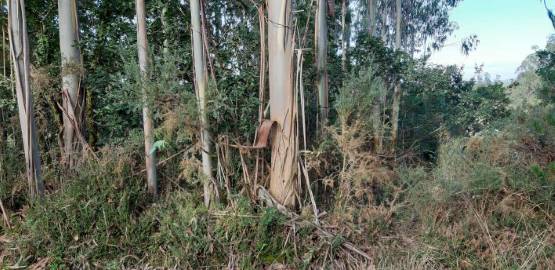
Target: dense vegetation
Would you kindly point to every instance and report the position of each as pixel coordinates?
(469, 183)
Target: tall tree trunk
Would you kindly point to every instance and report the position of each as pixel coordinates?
(165, 28)
(345, 35)
(71, 79)
(142, 46)
(385, 16)
(201, 80)
(322, 59)
(4, 51)
(397, 92)
(19, 44)
(371, 17)
(377, 104)
(283, 110)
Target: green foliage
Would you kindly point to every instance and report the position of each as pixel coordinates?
(479, 108)
(92, 217)
(504, 192)
(356, 98)
(439, 101)
(546, 71)
(102, 217)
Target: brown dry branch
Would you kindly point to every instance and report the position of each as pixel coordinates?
(297, 220)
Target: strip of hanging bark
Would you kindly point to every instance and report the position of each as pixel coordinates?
(265, 196)
(309, 188)
(299, 87)
(76, 126)
(222, 153)
(263, 134)
(205, 41)
(5, 215)
(331, 8)
(262, 82)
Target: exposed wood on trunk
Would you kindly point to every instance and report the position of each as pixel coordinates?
(283, 178)
(397, 92)
(201, 83)
(322, 60)
(19, 44)
(148, 127)
(71, 80)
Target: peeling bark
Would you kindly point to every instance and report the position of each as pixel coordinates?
(19, 44)
(283, 110)
(71, 79)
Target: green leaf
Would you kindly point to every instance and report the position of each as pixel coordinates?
(157, 146)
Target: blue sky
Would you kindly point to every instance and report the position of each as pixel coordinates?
(507, 30)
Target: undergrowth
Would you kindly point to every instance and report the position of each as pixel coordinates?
(487, 203)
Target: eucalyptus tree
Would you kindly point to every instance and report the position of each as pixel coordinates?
(19, 44)
(321, 34)
(379, 102)
(371, 10)
(201, 83)
(397, 91)
(345, 34)
(142, 46)
(72, 97)
(283, 184)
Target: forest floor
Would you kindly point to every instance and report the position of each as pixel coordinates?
(486, 203)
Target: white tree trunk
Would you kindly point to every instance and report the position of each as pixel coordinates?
(345, 35)
(283, 110)
(165, 28)
(4, 51)
(19, 44)
(397, 92)
(371, 17)
(377, 121)
(71, 78)
(147, 116)
(322, 58)
(398, 17)
(385, 27)
(201, 83)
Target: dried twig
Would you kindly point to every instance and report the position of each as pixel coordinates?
(5, 215)
(265, 196)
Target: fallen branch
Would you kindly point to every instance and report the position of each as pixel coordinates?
(265, 196)
(5, 215)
